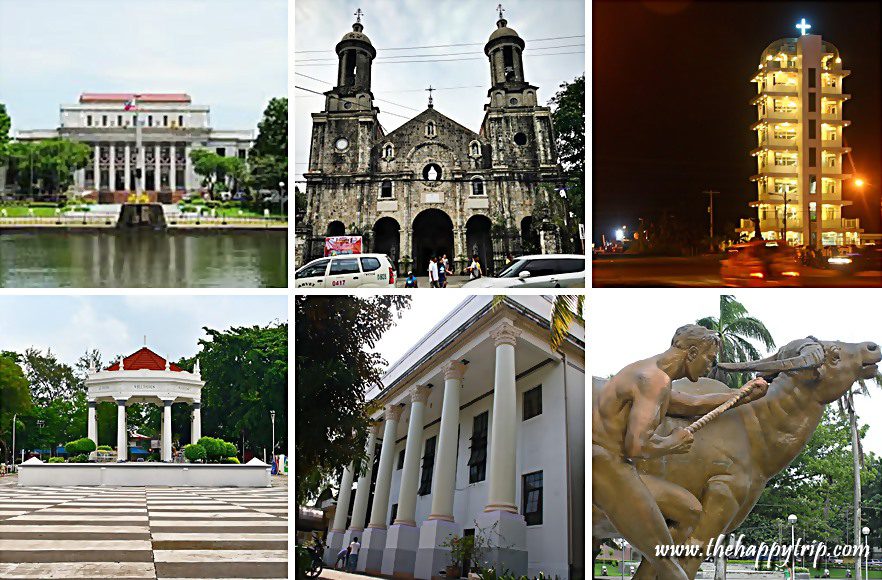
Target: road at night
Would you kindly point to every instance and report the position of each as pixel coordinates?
(696, 272)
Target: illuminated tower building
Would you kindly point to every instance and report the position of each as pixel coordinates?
(800, 147)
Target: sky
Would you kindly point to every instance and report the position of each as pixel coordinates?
(627, 325)
(671, 104)
(228, 54)
(71, 325)
(462, 81)
(424, 313)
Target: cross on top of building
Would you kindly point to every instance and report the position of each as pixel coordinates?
(803, 26)
(500, 9)
(358, 15)
(429, 90)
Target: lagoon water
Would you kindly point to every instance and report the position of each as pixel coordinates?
(143, 258)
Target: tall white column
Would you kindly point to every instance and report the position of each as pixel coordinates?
(157, 180)
(431, 555)
(188, 168)
(370, 557)
(172, 177)
(503, 432)
(196, 422)
(363, 489)
(92, 425)
(410, 474)
(96, 167)
(127, 171)
(343, 496)
(111, 174)
(403, 536)
(166, 431)
(122, 436)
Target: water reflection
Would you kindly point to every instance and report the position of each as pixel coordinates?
(150, 259)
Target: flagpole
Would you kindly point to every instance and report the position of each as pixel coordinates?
(139, 152)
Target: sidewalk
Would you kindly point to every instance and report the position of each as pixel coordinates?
(423, 281)
(340, 575)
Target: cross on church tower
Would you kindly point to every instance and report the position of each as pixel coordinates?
(500, 9)
(803, 26)
(429, 90)
(358, 14)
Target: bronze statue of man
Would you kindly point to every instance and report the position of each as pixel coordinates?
(626, 412)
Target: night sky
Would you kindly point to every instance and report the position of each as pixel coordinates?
(671, 112)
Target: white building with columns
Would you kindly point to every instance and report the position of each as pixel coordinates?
(171, 126)
(482, 428)
(145, 377)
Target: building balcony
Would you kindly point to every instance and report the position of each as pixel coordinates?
(775, 91)
(831, 94)
(766, 148)
(775, 171)
(834, 147)
(773, 119)
(834, 121)
(851, 225)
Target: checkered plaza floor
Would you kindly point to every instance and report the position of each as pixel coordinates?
(135, 533)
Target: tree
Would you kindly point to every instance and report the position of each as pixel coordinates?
(737, 329)
(15, 396)
(5, 126)
(207, 164)
(269, 157)
(51, 163)
(335, 366)
(568, 116)
(50, 379)
(245, 370)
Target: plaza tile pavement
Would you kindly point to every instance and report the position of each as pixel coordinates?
(137, 533)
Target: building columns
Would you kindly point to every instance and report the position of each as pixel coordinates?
(430, 556)
(111, 173)
(172, 168)
(167, 430)
(399, 557)
(122, 435)
(188, 167)
(362, 490)
(92, 423)
(96, 167)
(338, 526)
(127, 171)
(370, 557)
(196, 422)
(501, 509)
(157, 168)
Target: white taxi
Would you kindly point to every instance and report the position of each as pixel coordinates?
(347, 271)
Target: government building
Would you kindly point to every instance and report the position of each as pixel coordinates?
(170, 127)
(800, 145)
(480, 431)
(433, 186)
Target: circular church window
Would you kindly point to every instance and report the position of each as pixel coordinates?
(432, 172)
(347, 105)
(513, 101)
(341, 143)
(520, 139)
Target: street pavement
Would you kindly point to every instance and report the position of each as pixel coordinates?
(699, 272)
(138, 533)
(423, 281)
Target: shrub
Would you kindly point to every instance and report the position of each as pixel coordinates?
(81, 458)
(230, 449)
(56, 460)
(194, 452)
(84, 445)
(230, 460)
(105, 448)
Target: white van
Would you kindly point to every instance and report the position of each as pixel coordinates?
(347, 271)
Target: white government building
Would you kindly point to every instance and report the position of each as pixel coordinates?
(171, 126)
(483, 425)
(800, 148)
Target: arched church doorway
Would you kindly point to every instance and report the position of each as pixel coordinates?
(529, 237)
(432, 236)
(387, 239)
(478, 241)
(336, 228)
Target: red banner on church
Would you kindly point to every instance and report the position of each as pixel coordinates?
(336, 245)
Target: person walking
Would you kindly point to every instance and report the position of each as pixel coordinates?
(474, 268)
(442, 273)
(433, 272)
(411, 280)
(354, 547)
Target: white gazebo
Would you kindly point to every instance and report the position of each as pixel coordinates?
(145, 377)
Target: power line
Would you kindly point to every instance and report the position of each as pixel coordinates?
(384, 59)
(452, 45)
(350, 101)
(375, 98)
(440, 60)
(402, 90)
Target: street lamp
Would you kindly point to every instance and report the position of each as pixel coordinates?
(282, 198)
(791, 519)
(866, 532)
(273, 446)
(14, 421)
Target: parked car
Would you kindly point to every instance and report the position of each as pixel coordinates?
(347, 271)
(537, 271)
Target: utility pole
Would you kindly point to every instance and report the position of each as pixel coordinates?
(711, 194)
(14, 421)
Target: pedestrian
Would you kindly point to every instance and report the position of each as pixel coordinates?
(433, 272)
(342, 555)
(474, 268)
(354, 547)
(411, 281)
(442, 273)
(509, 259)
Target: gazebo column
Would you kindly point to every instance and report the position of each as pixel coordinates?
(501, 509)
(122, 437)
(196, 422)
(92, 424)
(166, 430)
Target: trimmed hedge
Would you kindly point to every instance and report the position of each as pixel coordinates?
(56, 460)
(84, 445)
(105, 448)
(216, 450)
(194, 452)
(81, 458)
(230, 460)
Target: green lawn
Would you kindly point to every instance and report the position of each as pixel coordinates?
(22, 211)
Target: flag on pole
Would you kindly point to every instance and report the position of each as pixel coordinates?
(130, 104)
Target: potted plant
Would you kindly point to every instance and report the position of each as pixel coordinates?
(461, 548)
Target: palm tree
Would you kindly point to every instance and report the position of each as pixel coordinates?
(564, 310)
(738, 331)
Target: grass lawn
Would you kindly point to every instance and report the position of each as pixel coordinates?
(22, 211)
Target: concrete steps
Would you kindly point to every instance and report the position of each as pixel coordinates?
(78, 571)
(221, 564)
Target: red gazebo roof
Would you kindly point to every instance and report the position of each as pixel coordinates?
(142, 97)
(144, 359)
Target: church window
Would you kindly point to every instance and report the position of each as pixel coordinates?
(532, 489)
(349, 67)
(103, 120)
(476, 148)
(432, 172)
(119, 121)
(341, 143)
(428, 467)
(388, 151)
(347, 105)
(512, 101)
(478, 449)
(386, 189)
(477, 186)
(88, 120)
(149, 120)
(508, 61)
(520, 139)
(430, 129)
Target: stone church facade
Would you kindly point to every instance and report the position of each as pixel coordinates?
(433, 186)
